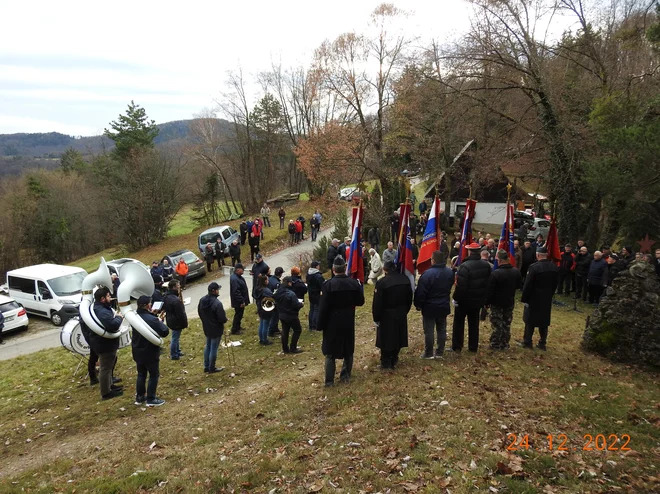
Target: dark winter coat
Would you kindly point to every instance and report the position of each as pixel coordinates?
(596, 274)
(528, 257)
(540, 285)
(332, 253)
(213, 316)
(472, 283)
(582, 263)
(209, 255)
(257, 269)
(219, 250)
(238, 291)
(168, 272)
(299, 287)
(260, 293)
(110, 322)
(287, 302)
(374, 236)
(339, 297)
(314, 283)
(393, 297)
(273, 283)
(567, 262)
(502, 286)
(433, 289)
(342, 250)
(235, 251)
(292, 228)
(175, 312)
(157, 296)
(143, 350)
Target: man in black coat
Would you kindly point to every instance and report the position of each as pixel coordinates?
(259, 267)
(528, 257)
(657, 262)
(288, 307)
(469, 296)
(540, 285)
(393, 297)
(597, 277)
(314, 283)
(566, 270)
(297, 284)
(273, 284)
(582, 263)
(432, 298)
(339, 297)
(342, 248)
(176, 317)
(240, 297)
(243, 229)
(105, 348)
(333, 251)
(147, 356)
(504, 282)
(213, 317)
(219, 251)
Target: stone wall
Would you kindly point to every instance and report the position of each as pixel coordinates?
(626, 324)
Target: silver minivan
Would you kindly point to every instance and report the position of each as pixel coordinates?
(227, 233)
(48, 290)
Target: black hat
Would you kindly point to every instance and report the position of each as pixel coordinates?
(315, 264)
(143, 300)
(213, 286)
(287, 279)
(389, 266)
(238, 266)
(259, 256)
(279, 270)
(542, 250)
(157, 279)
(339, 261)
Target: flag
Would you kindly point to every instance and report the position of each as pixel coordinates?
(404, 259)
(431, 239)
(506, 238)
(466, 233)
(355, 265)
(552, 243)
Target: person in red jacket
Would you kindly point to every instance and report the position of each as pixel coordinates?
(566, 270)
(298, 230)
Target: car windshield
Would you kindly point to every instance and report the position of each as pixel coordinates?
(9, 306)
(188, 257)
(205, 239)
(67, 285)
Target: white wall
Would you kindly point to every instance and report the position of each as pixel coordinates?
(486, 212)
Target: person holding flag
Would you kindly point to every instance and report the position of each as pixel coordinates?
(354, 259)
(506, 238)
(466, 231)
(404, 262)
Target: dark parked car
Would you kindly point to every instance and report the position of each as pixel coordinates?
(196, 266)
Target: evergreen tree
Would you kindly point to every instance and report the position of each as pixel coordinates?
(132, 132)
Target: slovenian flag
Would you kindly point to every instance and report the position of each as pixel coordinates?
(466, 233)
(404, 260)
(355, 265)
(431, 239)
(506, 238)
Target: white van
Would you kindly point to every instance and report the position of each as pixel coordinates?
(48, 290)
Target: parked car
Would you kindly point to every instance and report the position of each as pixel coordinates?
(540, 226)
(48, 290)
(115, 266)
(227, 233)
(346, 194)
(15, 315)
(196, 267)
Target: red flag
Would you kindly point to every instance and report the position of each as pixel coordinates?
(466, 234)
(552, 244)
(355, 267)
(431, 239)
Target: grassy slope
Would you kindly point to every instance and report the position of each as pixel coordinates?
(273, 425)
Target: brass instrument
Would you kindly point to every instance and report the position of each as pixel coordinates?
(268, 304)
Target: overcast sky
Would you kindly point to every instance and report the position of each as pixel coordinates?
(73, 66)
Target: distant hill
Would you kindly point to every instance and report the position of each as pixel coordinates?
(19, 152)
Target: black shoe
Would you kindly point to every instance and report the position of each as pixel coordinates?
(217, 369)
(155, 402)
(237, 332)
(296, 350)
(114, 387)
(116, 380)
(455, 350)
(140, 400)
(524, 345)
(268, 342)
(181, 354)
(113, 394)
(426, 356)
(174, 358)
(541, 347)
(93, 382)
(206, 370)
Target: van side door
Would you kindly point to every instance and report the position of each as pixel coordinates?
(24, 291)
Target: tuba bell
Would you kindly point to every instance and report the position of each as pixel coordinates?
(136, 281)
(99, 277)
(268, 304)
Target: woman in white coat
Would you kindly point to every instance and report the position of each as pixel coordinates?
(376, 266)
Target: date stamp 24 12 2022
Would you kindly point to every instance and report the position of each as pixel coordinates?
(560, 442)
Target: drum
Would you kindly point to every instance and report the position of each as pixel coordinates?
(72, 338)
(125, 332)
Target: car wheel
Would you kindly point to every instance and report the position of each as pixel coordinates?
(56, 319)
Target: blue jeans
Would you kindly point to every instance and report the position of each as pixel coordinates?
(144, 368)
(274, 319)
(313, 316)
(174, 344)
(211, 352)
(264, 324)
